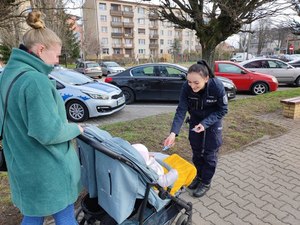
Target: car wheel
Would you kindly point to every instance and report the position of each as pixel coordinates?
(297, 82)
(129, 95)
(259, 88)
(77, 111)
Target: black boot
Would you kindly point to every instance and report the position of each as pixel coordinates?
(195, 183)
(201, 190)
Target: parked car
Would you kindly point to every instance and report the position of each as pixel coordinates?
(284, 72)
(89, 68)
(241, 56)
(155, 81)
(244, 79)
(111, 67)
(85, 97)
(295, 63)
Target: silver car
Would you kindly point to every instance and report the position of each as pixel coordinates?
(284, 72)
(85, 97)
(89, 68)
(111, 67)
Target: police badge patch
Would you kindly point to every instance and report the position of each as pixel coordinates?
(225, 99)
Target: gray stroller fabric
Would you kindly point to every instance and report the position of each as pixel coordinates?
(117, 184)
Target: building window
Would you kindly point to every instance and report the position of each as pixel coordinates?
(127, 8)
(141, 21)
(127, 20)
(115, 7)
(117, 41)
(142, 41)
(170, 42)
(162, 32)
(104, 29)
(103, 18)
(105, 51)
(161, 41)
(141, 10)
(161, 51)
(102, 7)
(141, 31)
(116, 30)
(117, 51)
(116, 19)
(104, 41)
(142, 51)
(128, 41)
(169, 33)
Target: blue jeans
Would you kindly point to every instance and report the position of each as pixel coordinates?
(63, 217)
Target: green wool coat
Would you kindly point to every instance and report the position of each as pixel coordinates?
(43, 167)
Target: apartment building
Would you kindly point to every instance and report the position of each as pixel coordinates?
(122, 29)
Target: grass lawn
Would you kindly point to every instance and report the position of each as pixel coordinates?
(241, 127)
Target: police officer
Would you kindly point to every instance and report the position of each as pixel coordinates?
(204, 97)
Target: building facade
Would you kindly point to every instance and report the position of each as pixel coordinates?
(119, 29)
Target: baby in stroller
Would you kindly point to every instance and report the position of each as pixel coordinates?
(117, 175)
(180, 173)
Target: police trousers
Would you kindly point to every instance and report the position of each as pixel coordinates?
(205, 147)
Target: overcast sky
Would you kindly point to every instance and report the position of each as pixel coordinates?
(233, 40)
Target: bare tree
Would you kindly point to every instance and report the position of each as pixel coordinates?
(216, 20)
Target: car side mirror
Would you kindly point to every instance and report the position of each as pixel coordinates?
(183, 76)
(243, 72)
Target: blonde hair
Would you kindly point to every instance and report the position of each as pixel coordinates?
(39, 34)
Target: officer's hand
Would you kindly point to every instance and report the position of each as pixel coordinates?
(170, 140)
(198, 128)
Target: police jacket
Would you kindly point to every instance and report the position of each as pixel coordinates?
(208, 106)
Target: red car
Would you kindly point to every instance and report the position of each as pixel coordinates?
(246, 80)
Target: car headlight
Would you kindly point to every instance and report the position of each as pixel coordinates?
(227, 85)
(274, 79)
(96, 95)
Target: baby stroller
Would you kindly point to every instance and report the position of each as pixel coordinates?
(121, 188)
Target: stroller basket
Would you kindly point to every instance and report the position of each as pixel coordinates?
(149, 207)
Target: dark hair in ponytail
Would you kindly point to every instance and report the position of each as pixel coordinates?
(202, 68)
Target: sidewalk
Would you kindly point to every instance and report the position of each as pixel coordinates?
(257, 186)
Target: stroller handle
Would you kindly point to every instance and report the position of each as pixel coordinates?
(103, 149)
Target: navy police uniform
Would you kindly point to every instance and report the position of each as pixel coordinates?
(208, 107)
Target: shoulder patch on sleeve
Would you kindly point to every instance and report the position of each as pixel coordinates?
(225, 99)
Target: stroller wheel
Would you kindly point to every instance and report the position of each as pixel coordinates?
(182, 220)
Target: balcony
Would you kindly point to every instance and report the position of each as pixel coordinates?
(117, 35)
(153, 45)
(128, 24)
(153, 36)
(117, 45)
(128, 14)
(128, 35)
(153, 26)
(115, 12)
(153, 16)
(116, 24)
(128, 46)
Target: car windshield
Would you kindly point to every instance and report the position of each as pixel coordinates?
(71, 77)
(112, 64)
(90, 65)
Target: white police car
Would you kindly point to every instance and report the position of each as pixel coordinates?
(85, 97)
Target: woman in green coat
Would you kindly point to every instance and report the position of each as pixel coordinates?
(43, 167)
